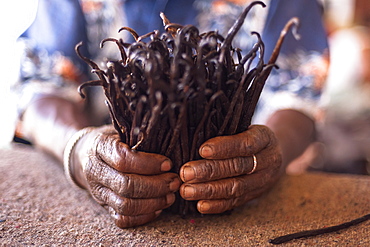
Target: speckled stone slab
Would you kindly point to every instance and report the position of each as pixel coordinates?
(39, 207)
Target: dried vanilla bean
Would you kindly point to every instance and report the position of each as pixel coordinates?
(170, 92)
(316, 232)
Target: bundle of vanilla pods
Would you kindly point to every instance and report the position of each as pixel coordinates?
(172, 91)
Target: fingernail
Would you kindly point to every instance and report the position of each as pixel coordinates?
(166, 166)
(188, 174)
(174, 185)
(188, 192)
(206, 151)
(203, 207)
(170, 198)
(157, 213)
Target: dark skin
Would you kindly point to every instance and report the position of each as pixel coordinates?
(120, 179)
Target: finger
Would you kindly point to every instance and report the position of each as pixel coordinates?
(226, 188)
(222, 205)
(121, 157)
(131, 185)
(123, 221)
(208, 170)
(128, 206)
(249, 142)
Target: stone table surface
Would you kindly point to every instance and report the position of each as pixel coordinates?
(39, 207)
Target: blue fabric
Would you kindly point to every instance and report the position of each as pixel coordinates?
(59, 26)
(311, 29)
(143, 16)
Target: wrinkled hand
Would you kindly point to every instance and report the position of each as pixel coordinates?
(134, 186)
(221, 181)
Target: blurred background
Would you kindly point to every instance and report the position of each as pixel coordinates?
(343, 124)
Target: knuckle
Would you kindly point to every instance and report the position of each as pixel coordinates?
(88, 168)
(247, 144)
(237, 165)
(122, 206)
(214, 192)
(238, 187)
(109, 148)
(120, 149)
(206, 169)
(98, 194)
(233, 167)
(92, 169)
(124, 185)
(100, 143)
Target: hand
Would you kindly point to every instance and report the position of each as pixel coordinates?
(134, 186)
(221, 181)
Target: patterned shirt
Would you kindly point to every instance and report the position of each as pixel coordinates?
(59, 25)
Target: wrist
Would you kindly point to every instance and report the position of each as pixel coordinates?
(294, 131)
(71, 159)
(49, 122)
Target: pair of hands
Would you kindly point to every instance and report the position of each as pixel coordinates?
(137, 186)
